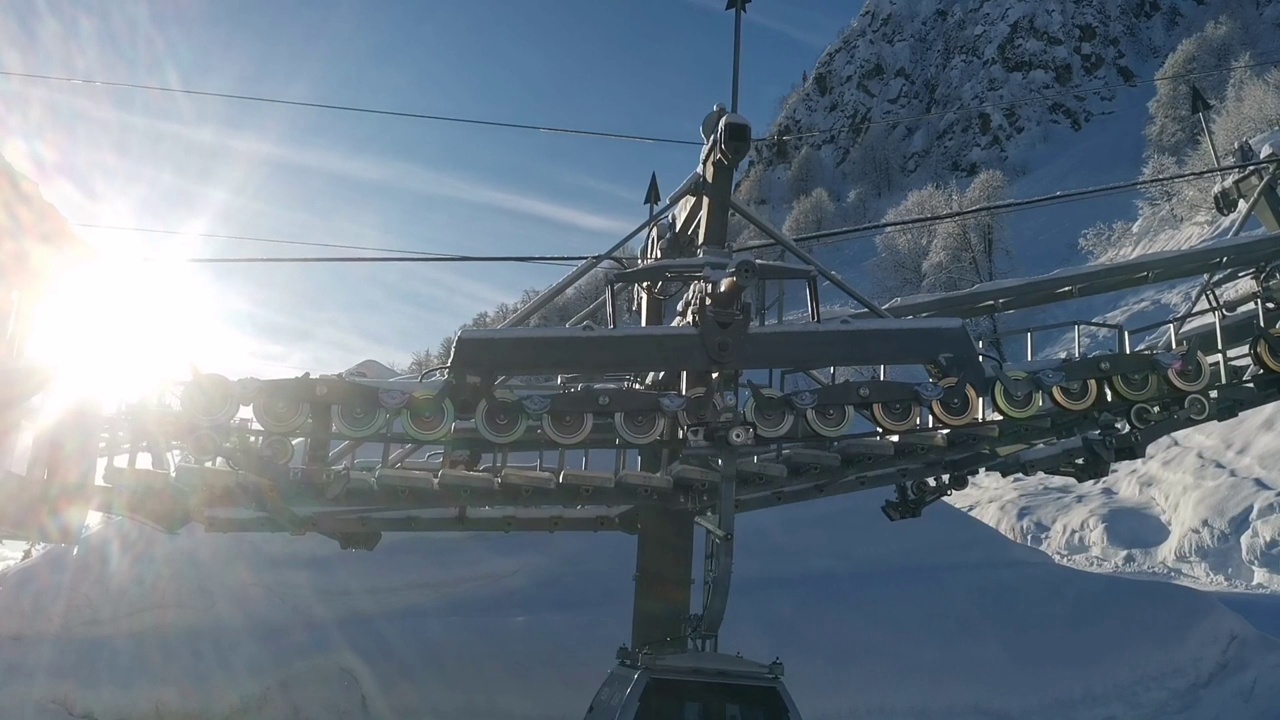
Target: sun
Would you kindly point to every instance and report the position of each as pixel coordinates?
(119, 329)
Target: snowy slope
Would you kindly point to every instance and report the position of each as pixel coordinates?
(940, 618)
(1044, 239)
(1203, 507)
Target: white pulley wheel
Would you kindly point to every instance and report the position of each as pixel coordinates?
(280, 415)
(1262, 353)
(961, 410)
(1135, 387)
(1142, 416)
(772, 423)
(829, 420)
(686, 418)
(639, 427)
(359, 422)
(427, 425)
(567, 428)
(1197, 407)
(1075, 396)
(210, 399)
(500, 420)
(896, 415)
(1192, 375)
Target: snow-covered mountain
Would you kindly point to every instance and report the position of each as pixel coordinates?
(980, 83)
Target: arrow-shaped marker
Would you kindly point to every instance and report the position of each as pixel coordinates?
(652, 196)
(1201, 106)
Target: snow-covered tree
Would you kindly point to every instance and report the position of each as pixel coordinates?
(875, 163)
(813, 212)
(968, 251)
(973, 249)
(947, 255)
(1251, 107)
(1102, 239)
(421, 361)
(808, 172)
(1163, 197)
(756, 186)
(752, 236)
(902, 252)
(854, 210)
(1172, 129)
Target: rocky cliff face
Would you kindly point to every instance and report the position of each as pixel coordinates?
(924, 59)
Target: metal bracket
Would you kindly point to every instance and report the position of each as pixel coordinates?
(706, 523)
(719, 558)
(1016, 386)
(912, 498)
(722, 333)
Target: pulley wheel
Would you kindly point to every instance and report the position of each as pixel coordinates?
(920, 488)
(1017, 407)
(567, 428)
(1263, 356)
(1142, 416)
(639, 427)
(500, 420)
(1075, 396)
(1197, 407)
(687, 417)
(359, 422)
(280, 415)
(896, 415)
(958, 411)
(203, 446)
(210, 399)
(1192, 376)
(771, 423)
(1135, 387)
(427, 425)
(276, 449)
(829, 420)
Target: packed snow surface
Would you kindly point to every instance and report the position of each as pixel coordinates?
(937, 618)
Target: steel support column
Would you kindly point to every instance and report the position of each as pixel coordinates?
(663, 579)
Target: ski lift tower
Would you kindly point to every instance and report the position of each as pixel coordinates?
(681, 422)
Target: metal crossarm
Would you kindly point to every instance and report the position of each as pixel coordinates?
(1089, 280)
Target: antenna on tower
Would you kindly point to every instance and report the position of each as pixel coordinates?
(738, 7)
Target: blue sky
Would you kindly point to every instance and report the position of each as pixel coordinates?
(136, 158)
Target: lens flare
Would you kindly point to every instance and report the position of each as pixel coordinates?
(120, 329)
